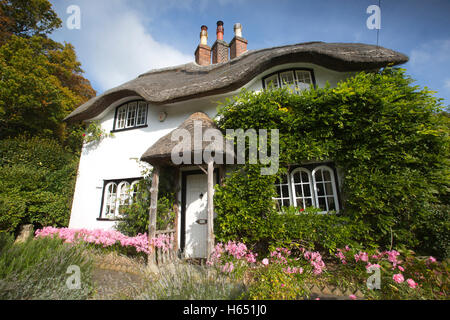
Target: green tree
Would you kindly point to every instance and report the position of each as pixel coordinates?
(32, 98)
(27, 18)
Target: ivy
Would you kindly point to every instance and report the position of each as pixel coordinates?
(389, 137)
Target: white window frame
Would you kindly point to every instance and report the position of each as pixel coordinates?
(293, 184)
(333, 186)
(297, 85)
(110, 199)
(118, 199)
(288, 183)
(312, 186)
(130, 115)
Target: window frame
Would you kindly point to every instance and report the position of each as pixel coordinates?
(293, 70)
(290, 195)
(136, 116)
(293, 183)
(333, 186)
(117, 182)
(311, 169)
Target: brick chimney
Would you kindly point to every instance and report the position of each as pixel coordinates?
(220, 47)
(238, 45)
(203, 52)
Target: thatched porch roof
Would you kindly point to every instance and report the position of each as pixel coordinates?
(160, 152)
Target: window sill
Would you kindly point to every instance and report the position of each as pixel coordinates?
(106, 219)
(131, 128)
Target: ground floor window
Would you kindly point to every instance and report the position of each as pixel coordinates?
(118, 194)
(311, 186)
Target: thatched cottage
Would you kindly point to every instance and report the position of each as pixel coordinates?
(143, 113)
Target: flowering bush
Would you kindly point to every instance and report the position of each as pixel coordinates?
(283, 274)
(402, 274)
(107, 238)
(232, 258)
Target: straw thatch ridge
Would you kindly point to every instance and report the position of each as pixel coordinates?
(191, 80)
(160, 152)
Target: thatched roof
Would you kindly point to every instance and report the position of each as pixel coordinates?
(160, 151)
(191, 80)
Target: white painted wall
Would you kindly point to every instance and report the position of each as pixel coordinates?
(116, 158)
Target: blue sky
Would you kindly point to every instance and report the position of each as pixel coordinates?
(120, 39)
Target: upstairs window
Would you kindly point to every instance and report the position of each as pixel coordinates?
(131, 115)
(296, 79)
(305, 188)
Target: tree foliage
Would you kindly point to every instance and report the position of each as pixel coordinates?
(37, 180)
(26, 18)
(389, 137)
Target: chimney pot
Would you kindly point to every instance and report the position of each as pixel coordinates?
(220, 30)
(238, 30)
(204, 35)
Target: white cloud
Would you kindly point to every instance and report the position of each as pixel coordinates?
(432, 52)
(116, 46)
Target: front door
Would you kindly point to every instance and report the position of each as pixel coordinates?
(196, 214)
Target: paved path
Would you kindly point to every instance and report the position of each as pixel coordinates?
(111, 284)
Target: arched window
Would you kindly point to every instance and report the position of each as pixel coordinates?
(134, 191)
(117, 195)
(124, 196)
(302, 188)
(283, 191)
(325, 189)
(296, 79)
(109, 209)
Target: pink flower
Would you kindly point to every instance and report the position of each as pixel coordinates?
(412, 283)
(282, 285)
(265, 261)
(352, 296)
(431, 259)
(398, 278)
(401, 268)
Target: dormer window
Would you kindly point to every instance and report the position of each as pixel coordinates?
(296, 79)
(131, 115)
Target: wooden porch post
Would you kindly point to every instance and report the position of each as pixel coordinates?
(176, 210)
(210, 208)
(152, 213)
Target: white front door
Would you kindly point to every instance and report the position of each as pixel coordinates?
(196, 216)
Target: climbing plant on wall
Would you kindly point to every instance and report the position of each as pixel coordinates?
(389, 137)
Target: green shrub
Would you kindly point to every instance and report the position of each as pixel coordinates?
(417, 277)
(389, 138)
(37, 269)
(321, 232)
(37, 180)
(245, 210)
